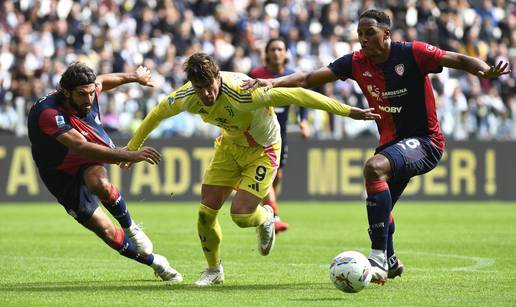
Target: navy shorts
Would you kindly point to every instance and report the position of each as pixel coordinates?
(409, 157)
(71, 192)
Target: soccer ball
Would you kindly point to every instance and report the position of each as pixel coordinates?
(350, 271)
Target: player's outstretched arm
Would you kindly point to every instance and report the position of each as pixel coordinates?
(300, 79)
(142, 75)
(78, 143)
(168, 107)
(474, 66)
(306, 98)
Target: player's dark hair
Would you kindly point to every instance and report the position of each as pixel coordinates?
(272, 40)
(379, 16)
(201, 68)
(77, 74)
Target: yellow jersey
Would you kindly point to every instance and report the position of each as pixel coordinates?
(246, 118)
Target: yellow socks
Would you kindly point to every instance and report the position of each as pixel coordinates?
(210, 235)
(254, 219)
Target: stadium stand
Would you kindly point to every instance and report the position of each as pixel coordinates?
(38, 39)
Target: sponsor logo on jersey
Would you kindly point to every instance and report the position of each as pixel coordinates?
(367, 74)
(394, 93)
(60, 122)
(221, 120)
(374, 91)
(390, 109)
(430, 48)
(399, 69)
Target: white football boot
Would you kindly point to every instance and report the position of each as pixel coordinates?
(163, 270)
(378, 272)
(211, 277)
(266, 233)
(139, 238)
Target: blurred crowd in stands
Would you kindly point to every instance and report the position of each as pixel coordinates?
(38, 39)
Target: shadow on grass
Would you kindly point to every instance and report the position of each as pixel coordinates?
(149, 285)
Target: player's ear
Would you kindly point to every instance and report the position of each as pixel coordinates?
(387, 34)
(67, 93)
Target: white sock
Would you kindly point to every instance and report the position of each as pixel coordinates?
(379, 256)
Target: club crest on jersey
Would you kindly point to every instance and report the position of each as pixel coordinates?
(430, 48)
(399, 69)
(170, 100)
(60, 122)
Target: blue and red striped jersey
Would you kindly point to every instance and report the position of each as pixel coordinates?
(398, 89)
(48, 119)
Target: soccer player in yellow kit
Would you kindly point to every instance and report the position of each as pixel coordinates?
(246, 154)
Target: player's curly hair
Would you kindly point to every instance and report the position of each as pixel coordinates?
(201, 68)
(380, 17)
(77, 74)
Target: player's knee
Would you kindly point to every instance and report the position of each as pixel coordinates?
(101, 187)
(107, 193)
(240, 220)
(375, 169)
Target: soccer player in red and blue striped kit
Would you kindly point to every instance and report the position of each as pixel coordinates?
(276, 66)
(70, 147)
(393, 78)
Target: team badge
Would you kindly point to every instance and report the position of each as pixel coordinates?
(60, 121)
(399, 69)
(430, 48)
(170, 100)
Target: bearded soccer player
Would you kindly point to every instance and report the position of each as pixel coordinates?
(246, 154)
(393, 78)
(70, 147)
(276, 66)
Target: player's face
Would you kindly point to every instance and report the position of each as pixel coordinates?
(276, 54)
(208, 92)
(372, 37)
(81, 97)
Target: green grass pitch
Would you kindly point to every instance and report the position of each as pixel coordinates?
(455, 255)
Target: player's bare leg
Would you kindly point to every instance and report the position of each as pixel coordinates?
(95, 178)
(101, 225)
(210, 234)
(246, 212)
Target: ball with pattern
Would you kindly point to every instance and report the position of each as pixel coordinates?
(350, 271)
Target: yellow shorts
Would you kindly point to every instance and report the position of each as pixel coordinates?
(248, 168)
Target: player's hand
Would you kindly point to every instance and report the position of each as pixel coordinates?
(143, 76)
(495, 71)
(148, 154)
(251, 84)
(305, 129)
(364, 114)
